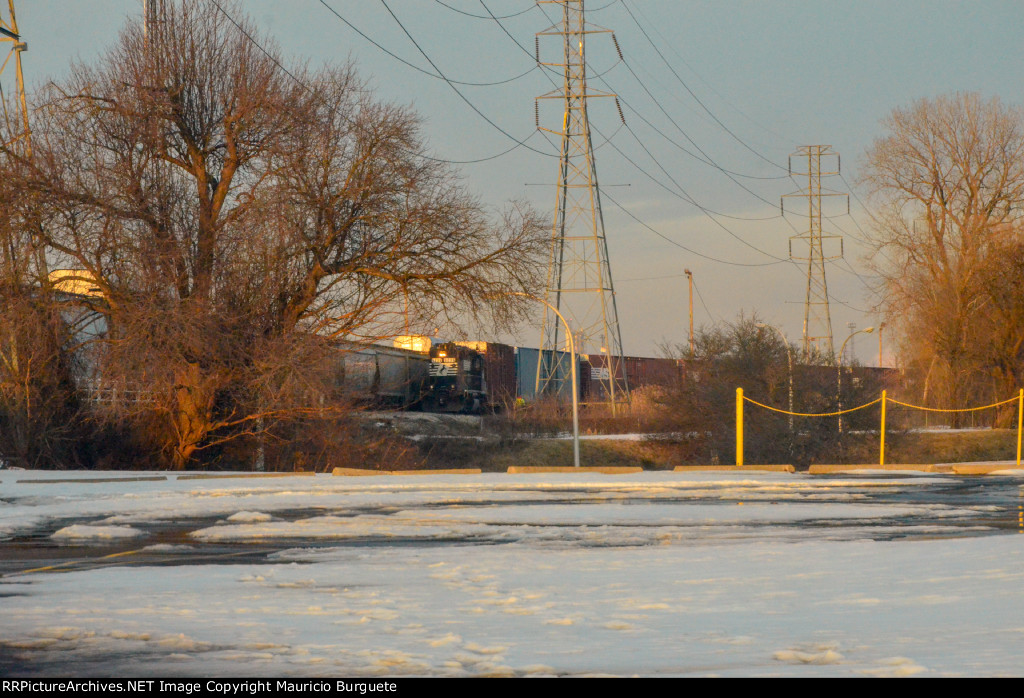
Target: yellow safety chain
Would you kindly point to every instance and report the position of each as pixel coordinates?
(816, 414)
(962, 409)
(884, 399)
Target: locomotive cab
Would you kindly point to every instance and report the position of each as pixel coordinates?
(455, 380)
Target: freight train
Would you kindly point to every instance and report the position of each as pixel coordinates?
(472, 377)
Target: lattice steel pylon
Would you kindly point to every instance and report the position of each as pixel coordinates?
(22, 245)
(579, 280)
(817, 333)
(154, 21)
(17, 133)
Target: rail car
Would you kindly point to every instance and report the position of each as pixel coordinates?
(473, 377)
(383, 376)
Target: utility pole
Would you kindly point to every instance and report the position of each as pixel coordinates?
(579, 281)
(689, 277)
(817, 331)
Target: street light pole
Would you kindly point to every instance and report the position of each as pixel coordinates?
(575, 379)
(839, 372)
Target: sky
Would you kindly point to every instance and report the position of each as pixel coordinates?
(705, 87)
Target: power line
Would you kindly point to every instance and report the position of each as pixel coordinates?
(853, 308)
(522, 48)
(682, 194)
(706, 159)
(653, 278)
(693, 94)
(470, 14)
(310, 90)
(606, 195)
(514, 14)
(710, 163)
(854, 272)
(456, 89)
(705, 305)
(654, 25)
(416, 67)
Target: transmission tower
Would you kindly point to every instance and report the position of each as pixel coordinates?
(817, 319)
(23, 248)
(579, 280)
(17, 134)
(154, 15)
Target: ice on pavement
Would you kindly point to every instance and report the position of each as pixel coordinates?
(561, 574)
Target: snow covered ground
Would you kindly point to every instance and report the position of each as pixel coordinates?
(672, 574)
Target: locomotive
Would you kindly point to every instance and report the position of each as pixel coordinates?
(455, 380)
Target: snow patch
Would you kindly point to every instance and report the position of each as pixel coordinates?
(449, 639)
(250, 517)
(86, 532)
(65, 633)
(124, 635)
(559, 621)
(820, 654)
(618, 625)
(895, 667)
(184, 643)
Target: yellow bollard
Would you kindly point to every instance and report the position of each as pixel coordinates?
(1020, 420)
(739, 426)
(881, 448)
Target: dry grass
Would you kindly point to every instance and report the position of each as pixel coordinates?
(497, 454)
(951, 447)
(548, 417)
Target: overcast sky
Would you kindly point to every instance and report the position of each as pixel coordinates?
(740, 84)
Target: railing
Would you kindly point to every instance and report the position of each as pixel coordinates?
(883, 400)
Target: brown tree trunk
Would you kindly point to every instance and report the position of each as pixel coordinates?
(192, 415)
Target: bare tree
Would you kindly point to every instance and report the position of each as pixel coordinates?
(945, 183)
(999, 343)
(237, 216)
(745, 354)
(40, 423)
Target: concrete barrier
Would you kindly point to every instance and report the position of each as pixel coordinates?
(226, 476)
(771, 468)
(356, 472)
(449, 471)
(609, 470)
(366, 472)
(980, 468)
(93, 480)
(824, 469)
